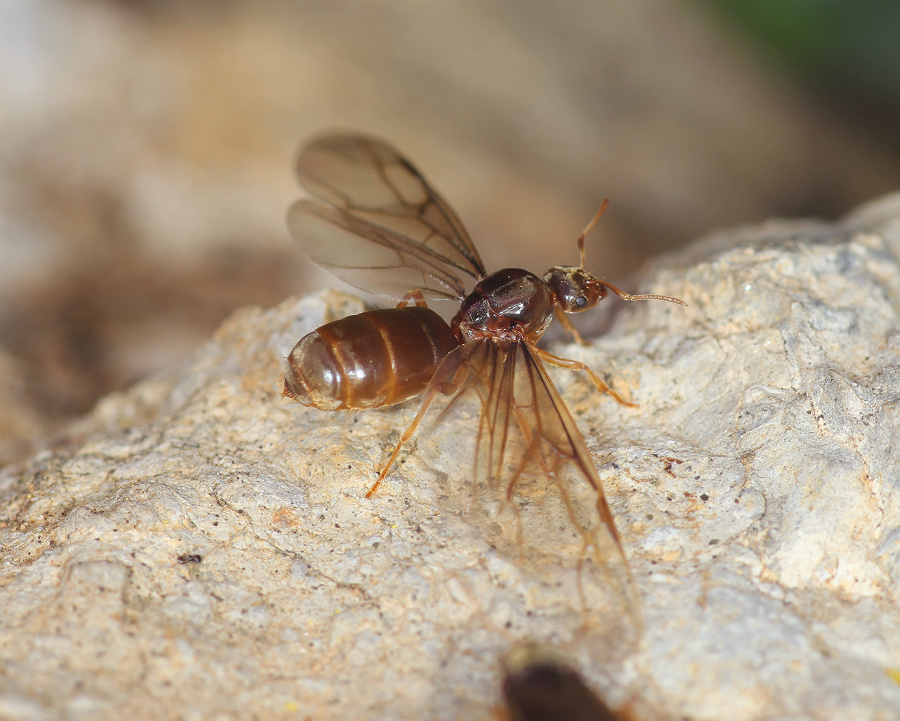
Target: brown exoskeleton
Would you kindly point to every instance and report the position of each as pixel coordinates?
(378, 224)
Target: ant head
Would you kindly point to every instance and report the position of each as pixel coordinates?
(576, 289)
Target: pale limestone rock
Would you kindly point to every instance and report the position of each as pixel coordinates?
(201, 548)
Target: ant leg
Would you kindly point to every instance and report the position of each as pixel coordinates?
(579, 366)
(567, 324)
(444, 381)
(407, 434)
(414, 297)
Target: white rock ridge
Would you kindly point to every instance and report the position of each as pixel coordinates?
(201, 548)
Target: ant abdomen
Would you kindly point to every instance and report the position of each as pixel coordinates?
(373, 359)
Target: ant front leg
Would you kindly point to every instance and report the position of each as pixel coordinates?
(579, 366)
(414, 297)
(567, 324)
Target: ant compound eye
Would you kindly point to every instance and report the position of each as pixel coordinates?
(581, 301)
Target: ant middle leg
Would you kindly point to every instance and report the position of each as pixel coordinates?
(579, 366)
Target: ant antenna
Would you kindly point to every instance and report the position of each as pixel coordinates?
(609, 286)
(627, 296)
(589, 227)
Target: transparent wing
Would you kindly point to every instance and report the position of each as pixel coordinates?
(384, 228)
(526, 435)
(534, 490)
(368, 256)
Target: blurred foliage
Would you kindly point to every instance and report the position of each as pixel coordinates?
(840, 47)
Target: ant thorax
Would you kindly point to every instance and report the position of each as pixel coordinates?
(511, 304)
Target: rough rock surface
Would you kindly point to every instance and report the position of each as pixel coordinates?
(200, 548)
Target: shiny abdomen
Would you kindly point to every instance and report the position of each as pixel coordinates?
(371, 359)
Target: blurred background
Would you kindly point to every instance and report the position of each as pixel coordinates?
(146, 148)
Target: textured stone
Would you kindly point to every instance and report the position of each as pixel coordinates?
(201, 548)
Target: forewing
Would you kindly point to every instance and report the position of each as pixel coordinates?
(534, 489)
(370, 257)
(384, 226)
